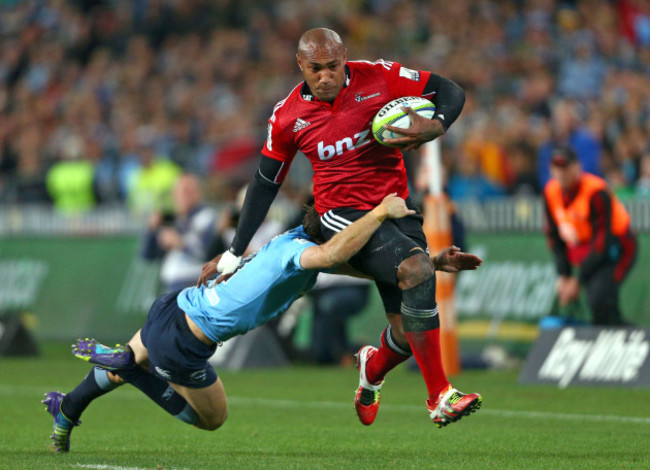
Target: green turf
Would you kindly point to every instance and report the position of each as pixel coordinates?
(302, 418)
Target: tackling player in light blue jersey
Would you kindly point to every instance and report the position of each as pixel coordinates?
(168, 358)
(265, 285)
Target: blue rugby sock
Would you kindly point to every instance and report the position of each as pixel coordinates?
(160, 392)
(93, 386)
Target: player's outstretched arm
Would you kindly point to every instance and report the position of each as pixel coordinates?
(452, 260)
(342, 246)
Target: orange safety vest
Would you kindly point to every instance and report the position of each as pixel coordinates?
(573, 221)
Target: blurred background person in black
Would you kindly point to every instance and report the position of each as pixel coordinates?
(181, 238)
(335, 300)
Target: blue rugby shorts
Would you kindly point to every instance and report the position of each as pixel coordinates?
(175, 354)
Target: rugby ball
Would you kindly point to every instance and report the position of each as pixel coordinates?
(392, 114)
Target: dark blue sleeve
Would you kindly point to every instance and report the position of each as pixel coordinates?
(259, 197)
(543, 164)
(588, 150)
(150, 248)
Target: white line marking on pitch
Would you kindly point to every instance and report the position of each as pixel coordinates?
(496, 412)
(111, 467)
(278, 403)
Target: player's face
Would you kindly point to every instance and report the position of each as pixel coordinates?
(568, 176)
(324, 71)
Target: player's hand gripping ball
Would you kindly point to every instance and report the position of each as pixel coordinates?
(392, 114)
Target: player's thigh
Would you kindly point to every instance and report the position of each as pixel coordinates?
(384, 252)
(139, 350)
(155, 317)
(393, 242)
(209, 403)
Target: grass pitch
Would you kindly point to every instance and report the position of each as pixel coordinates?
(302, 418)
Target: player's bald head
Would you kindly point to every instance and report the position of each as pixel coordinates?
(320, 38)
(321, 58)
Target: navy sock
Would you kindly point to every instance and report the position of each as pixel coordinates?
(93, 386)
(160, 392)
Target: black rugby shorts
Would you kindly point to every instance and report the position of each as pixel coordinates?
(391, 244)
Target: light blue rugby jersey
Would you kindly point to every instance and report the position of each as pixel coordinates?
(264, 287)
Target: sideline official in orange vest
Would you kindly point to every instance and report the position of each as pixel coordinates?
(589, 229)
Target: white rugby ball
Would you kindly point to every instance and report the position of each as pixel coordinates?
(392, 114)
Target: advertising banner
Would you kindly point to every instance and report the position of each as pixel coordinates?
(517, 281)
(590, 356)
(70, 287)
(65, 287)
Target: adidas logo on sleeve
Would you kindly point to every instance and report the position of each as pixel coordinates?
(300, 125)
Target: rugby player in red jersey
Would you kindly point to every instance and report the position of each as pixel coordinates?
(328, 118)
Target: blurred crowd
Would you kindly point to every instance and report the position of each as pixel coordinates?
(108, 102)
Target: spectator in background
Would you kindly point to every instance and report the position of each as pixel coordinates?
(522, 160)
(269, 228)
(635, 20)
(483, 147)
(235, 158)
(152, 182)
(22, 172)
(200, 72)
(582, 74)
(70, 180)
(127, 165)
(282, 211)
(567, 131)
(181, 238)
(618, 184)
(589, 229)
(469, 183)
(335, 300)
(643, 185)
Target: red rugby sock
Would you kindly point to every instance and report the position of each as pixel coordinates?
(383, 361)
(426, 349)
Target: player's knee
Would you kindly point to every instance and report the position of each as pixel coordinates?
(139, 350)
(213, 422)
(116, 379)
(414, 271)
(211, 425)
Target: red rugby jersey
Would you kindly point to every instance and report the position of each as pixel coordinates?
(351, 169)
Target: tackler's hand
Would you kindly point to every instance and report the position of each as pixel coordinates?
(396, 207)
(452, 260)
